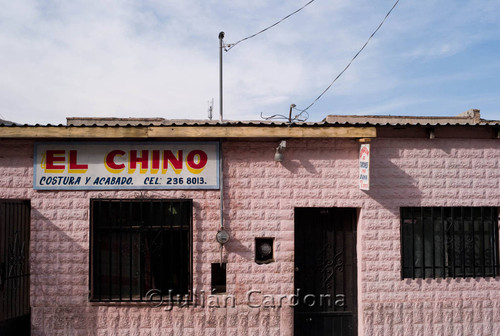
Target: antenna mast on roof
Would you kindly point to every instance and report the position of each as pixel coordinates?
(210, 108)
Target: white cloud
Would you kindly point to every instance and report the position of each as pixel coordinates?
(160, 58)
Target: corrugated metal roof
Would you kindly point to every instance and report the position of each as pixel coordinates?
(168, 123)
(6, 122)
(471, 117)
(468, 118)
(269, 124)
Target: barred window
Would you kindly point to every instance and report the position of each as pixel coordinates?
(440, 242)
(139, 245)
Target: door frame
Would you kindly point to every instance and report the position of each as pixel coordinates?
(15, 228)
(354, 214)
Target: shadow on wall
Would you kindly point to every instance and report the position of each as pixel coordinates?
(440, 172)
(421, 283)
(235, 246)
(205, 245)
(390, 184)
(293, 166)
(323, 155)
(59, 281)
(394, 181)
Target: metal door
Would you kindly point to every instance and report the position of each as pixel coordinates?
(14, 267)
(325, 271)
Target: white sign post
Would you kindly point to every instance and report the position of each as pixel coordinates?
(126, 165)
(364, 167)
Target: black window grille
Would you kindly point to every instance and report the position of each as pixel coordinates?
(440, 242)
(140, 245)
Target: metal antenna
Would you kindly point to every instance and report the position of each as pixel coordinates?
(210, 108)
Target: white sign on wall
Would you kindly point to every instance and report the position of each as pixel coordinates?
(364, 167)
(126, 165)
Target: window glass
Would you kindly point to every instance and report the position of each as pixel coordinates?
(140, 245)
(439, 242)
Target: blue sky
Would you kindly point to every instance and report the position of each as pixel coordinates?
(160, 58)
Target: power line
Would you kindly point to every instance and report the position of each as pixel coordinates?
(229, 46)
(352, 60)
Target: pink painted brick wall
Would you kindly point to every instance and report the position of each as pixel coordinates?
(260, 198)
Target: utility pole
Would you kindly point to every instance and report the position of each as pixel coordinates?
(221, 46)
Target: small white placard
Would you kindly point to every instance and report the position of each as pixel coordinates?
(364, 167)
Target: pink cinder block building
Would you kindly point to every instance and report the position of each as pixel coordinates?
(351, 226)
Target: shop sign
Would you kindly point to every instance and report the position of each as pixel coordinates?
(364, 167)
(126, 165)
